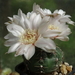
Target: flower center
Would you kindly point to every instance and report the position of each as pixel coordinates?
(52, 27)
(29, 37)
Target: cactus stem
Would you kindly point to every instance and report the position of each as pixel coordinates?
(40, 58)
(27, 67)
(43, 62)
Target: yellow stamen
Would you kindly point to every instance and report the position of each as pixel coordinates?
(52, 27)
(29, 37)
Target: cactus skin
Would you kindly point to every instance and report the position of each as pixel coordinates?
(43, 62)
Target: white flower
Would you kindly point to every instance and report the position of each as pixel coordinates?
(55, 30)
(56, 27)
(56, 15)
(25, 34)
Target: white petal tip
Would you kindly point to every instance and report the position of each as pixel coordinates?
(34, 4)
(72, 23)
(10, 18)
(6, 23)
(19, 10)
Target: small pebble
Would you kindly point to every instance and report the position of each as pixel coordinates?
(60, 74)
(63, 69)
(55, 73)
(69, 68)
(65, 63)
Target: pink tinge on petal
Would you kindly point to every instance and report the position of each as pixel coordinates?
(20, 50)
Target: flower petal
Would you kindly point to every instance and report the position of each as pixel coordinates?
(30, 52)
(27, 23)
(15, 29)
(10, 42)
(13, 48)
(47, 11)
(64, 19)
(9, 36)
(20, 12)
(28, 14)
(36, 21)
(43, 28)
(65, 32)
(20, 50)
(16, 19)
(51, 33)
(32, 17)
(10, 18)
(61, 12)
(71, 22)
(46, 44)
(35, 7)
(21, 19)
(65, 38)
(26, 48)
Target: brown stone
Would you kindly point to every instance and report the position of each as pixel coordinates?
(55, 73)
(69, 68)
(63, 69)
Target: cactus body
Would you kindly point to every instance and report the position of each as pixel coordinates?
(43, 62)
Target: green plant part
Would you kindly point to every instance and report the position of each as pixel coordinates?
(43, 62)
(6, 71)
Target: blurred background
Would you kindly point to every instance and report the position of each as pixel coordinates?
(10, 8)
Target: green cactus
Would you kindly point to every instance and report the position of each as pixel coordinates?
(43, 62)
